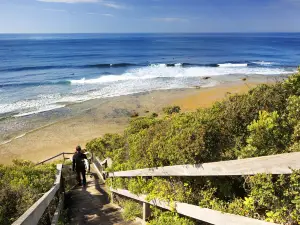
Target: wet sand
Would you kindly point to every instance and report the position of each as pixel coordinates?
(97, 117)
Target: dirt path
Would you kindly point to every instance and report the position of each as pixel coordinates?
(90, 205)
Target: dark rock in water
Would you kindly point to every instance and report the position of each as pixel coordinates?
(197, 87)
(244, 79)
(206, 78)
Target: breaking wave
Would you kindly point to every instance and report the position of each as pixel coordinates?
(132, 80)
(178, 71)
(124, 65)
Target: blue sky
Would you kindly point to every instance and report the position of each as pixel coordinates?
(119, 16)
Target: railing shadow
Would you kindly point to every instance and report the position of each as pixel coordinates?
(86, 207)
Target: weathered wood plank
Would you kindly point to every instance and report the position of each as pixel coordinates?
(195, 212)
(36, 211)
(101, 179)
(274, 164)
(105, 163)
(60, 154)
(58, 211)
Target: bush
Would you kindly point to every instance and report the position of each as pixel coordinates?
(268, 136)
(171, 109)
(22, 184)
(131, 209)
(170, 218)
(264, 121)
(106, 145)
(153, 115)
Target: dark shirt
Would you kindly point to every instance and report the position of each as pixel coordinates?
(78, 161)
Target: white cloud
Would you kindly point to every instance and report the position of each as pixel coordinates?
(55, 10)
(112, 5)
(107, 14)
(102, 2)
(102, 14)
(70, 1)
(170, 19)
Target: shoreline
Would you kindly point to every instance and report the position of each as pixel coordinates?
(84, 121)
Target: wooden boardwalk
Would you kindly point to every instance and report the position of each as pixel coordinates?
(90, 205)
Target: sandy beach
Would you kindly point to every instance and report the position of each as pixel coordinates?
(111, 115)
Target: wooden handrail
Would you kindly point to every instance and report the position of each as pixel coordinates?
(33, 215)
(196, 212)
(36, 211)
(273, 164)
(53, 157)
(98, 166)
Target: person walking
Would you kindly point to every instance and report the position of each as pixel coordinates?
(79, 166)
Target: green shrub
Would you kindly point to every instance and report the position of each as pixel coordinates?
(154, 115)
(170, 218)
(264, 121)
(171, 109)
(293, 109)
(268, 136)
(21, 185)
(131, 209)
(105, 146)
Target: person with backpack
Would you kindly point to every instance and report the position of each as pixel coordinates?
(79, 166)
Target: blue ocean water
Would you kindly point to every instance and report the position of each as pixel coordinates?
(40, 72)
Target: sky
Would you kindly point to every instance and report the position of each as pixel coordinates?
(139, 16)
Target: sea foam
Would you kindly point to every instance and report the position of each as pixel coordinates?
(134, 80)
(233, 65)
(263, 63)
(163, 71)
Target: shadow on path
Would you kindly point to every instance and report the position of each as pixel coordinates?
(90, 205)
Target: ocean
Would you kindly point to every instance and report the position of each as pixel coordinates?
(43, 72)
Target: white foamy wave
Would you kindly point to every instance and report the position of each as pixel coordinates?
(41, 101)
(135, 80)
(162, 71)
(166, 65)
(102, 79)
(233, 65)
(158, 65)
(41, 109)
(263, 63)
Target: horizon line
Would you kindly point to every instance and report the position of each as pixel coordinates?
(211, 32)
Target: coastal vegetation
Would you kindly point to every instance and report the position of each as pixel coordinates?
(21, 184)
(264, 121)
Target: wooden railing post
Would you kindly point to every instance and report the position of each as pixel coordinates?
(112, 197)
(146, 211)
